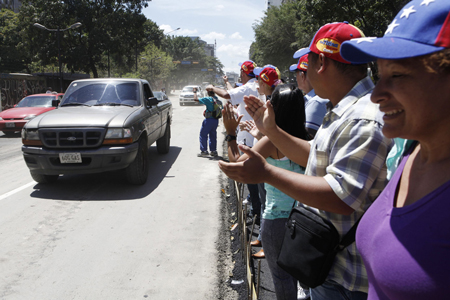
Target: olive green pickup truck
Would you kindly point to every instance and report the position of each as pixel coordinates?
(100, 125)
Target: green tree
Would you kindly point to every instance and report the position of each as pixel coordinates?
(287, 28)
(11, 60)
(276, 36)
(371, 16)
(185, 49)
(109, 27)
(155, 65)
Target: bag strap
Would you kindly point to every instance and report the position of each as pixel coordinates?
(349, 237)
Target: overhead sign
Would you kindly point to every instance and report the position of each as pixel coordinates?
(185, 62)
(204, 70)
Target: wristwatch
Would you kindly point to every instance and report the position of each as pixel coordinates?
(230, 138)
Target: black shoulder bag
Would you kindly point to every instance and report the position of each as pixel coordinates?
(310, 245)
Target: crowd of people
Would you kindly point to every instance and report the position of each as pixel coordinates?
(351, 149)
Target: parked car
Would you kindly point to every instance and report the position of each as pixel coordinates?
(13, 119)
(160, 95)
(187, 95)
(102, 124)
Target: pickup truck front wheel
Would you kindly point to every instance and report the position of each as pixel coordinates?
(137, 171)
(41, 178)
(163, 143)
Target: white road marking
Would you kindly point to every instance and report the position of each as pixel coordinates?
(17, 190)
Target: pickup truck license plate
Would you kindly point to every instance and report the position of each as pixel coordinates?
(10, 125)
(70, 158)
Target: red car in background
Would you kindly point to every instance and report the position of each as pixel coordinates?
(13, 119)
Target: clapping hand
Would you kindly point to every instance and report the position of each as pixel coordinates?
(250, 127)
(262, 113)
(229, 120)
(251, 170)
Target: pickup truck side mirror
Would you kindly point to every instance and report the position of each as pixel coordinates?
(55, 103)
(152, 101)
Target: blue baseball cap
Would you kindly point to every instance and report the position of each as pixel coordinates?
(301, 52)
(421, 27)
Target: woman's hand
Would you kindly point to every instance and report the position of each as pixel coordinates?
(262, 113)
(254, 131)
(229, 121)
(251, 170)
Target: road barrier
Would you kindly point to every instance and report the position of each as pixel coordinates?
(246, 248)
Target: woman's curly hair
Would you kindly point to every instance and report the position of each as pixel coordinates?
(438, 62)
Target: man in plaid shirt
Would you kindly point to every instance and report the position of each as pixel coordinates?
(345, 163)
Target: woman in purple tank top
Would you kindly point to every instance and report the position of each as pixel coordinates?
(404, 237)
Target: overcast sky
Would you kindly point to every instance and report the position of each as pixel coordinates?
(229, 23)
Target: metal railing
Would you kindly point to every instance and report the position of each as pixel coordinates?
(253, 291)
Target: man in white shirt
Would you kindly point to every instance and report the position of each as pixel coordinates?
(236, 96)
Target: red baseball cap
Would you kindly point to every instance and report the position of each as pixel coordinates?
(269, 74)
(302, 64)
(248, 66)
(329, 38)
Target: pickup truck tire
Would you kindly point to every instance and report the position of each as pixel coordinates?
(41, 178)
(137, 171)
(163, 143)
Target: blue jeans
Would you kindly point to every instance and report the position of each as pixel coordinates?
(262, 199)
(331, 290)
(209, 128)
(254, 199)
(272, 238)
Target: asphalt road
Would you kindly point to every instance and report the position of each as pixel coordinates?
(97, 237)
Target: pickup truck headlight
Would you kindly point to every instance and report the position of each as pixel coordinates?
(118, 136)
(31, 137)
(1, 119)
(29, 117)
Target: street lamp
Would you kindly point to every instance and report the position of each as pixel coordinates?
(58, 32)
(173, 30)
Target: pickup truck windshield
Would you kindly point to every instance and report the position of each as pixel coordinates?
(188, 89)
(103, 93)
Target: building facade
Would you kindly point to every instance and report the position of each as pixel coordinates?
(13, 5)
(209, 48)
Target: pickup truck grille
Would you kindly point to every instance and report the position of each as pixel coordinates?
(72, 137)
